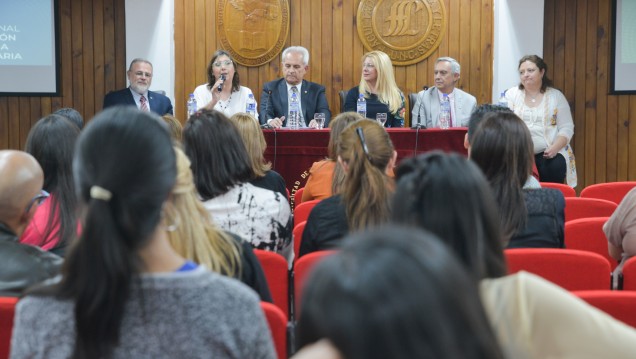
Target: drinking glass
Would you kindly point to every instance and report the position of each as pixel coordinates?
(320, 120)
(381, 118)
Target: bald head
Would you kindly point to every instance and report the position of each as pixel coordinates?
(21, 178)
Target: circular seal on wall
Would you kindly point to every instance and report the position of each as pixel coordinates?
(406, 30)
(252, 31)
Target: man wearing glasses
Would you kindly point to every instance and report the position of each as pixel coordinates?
(21, 265)
(138, 94)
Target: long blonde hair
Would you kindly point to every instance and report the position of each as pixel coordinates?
(254, 142)
(386, 88)
(367, 150)
(195, 237)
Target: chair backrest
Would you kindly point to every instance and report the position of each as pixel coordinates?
(7, 311)
(343, 96)
(569, 268)
(277, 322)
(277, 275)
(576, 208)
(619, 304)
(587, 234)
(302, 269)
(611, 191)
(298, 196)
(412, 100)
(301, 212)
(629, 274)
(298, 237)
(565, 189)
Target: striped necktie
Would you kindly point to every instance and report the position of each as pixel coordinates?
(144, 103)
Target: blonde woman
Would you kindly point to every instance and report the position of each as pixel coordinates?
(193, 235)
(380, 91)
(255, 144)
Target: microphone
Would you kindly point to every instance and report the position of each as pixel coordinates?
(220, 88)
(266, 111)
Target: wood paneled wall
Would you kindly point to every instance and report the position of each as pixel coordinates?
(93, 62)
(577, 49)
(327, 29)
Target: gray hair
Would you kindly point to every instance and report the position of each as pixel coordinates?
(455, 68)
(136, 60)
(298, 49)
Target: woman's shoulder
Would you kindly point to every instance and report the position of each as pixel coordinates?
(320, 166)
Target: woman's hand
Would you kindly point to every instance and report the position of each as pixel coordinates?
(556, 146)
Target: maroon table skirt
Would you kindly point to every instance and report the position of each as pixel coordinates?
(292, 152)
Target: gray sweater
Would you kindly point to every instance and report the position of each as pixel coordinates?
(194, 314)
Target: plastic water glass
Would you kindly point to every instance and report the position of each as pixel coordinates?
(320, 120)
(381, 118)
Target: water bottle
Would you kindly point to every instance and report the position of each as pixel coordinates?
(192, 105)
(362, 105)
(293, 122)
(250, 106)
(502, 100)
(444, 113)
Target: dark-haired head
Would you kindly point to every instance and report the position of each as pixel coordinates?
(217, 152)
(478, 115)
(236, 82)
(336, 126)
(72, 115)
(52, 142)
(449, 196)
(502, 148)
(395, 293)
(124, 170)
(545, 81)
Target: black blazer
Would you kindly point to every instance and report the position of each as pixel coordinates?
(274, 101)
(159, 103)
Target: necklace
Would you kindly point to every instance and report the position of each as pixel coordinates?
(224, 104)
(533, 99)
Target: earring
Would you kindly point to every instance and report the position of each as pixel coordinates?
(168, 211)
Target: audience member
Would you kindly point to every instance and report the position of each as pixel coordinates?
(174, 126)
(394, 293)
(55, 224)
(427, 106)
(620, 231)
(20, 194)
(222, 172)
(502, 148)
(276, 94)
(547, 114)
(223, 92)
(380, 91)
(138, 94)
(532, 318)
(254, 140)
(72, 115)
(125, 293)
(325, 177)
(366, 154)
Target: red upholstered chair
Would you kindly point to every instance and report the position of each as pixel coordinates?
(569, 268)
(298, 237)
(619, 304)
(565, 189)
(302, 269)
(587, 234)
(298, 196)
(301, 212)
(611, 191)
(277, 322)
(576, 208)
(277, 276)
(629, 274)
(7, 310)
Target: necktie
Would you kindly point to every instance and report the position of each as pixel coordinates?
(294, 89)
(144, 103)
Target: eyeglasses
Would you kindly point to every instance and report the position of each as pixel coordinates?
(37, 199)
(141, 73)
(368, 66)
(222, 63)
(362, 141)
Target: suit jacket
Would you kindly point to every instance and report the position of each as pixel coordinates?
(159, 103)
(274, 101)
(426, 108)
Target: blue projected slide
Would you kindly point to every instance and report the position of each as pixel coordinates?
(27, 47)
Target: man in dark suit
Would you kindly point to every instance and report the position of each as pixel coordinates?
(140, 77)
(274, 107)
